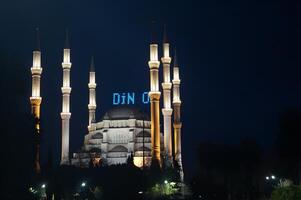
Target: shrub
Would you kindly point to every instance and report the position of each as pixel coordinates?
(292, 192)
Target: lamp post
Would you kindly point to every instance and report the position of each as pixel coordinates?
(43, 191)
(271, 181)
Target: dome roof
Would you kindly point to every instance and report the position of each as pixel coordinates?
(143, 134)
(125, 112)
(119, 149)
(97, 136)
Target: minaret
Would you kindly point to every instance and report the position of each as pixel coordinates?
(92, 93)
(65, 114)
(154, 95)
(167, 110)
(177, 115)
(36, 99)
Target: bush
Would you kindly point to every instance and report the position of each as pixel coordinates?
(292, 192)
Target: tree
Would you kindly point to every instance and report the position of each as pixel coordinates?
(288, 144)
(286, 193)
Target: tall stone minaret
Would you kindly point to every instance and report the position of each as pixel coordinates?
(177, 115)
(65, 114)
(36, 99)
(154, 95)
(167, 110)
(92, 93)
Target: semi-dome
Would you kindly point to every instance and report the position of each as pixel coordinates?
(119, 148)
(125, 112)
(97, 136)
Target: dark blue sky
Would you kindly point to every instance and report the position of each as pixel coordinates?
(239, 61)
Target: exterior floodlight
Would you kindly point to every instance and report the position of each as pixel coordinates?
(172, 183)
(43, 186)
(273, 177)
(267, 178)
(83, 184)
(165, 181)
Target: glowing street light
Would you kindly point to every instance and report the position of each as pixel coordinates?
(267, 178)
(43, 186)
(83, 184)
(166, 182)
(273, 177)
(172, 183)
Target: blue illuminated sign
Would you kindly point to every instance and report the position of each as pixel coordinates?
(130, 98)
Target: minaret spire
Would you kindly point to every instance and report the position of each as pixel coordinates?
(92, 93)
(177, 115)
(165, 40)
(154, 95)
(66, 114)
(175, 60)
(153, 35)
(67, 46)
(36, 99)
(167, 110)
(38, 46)
(92, 65)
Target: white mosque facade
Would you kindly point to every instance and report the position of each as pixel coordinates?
(123, 132)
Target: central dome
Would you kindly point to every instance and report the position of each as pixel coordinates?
(125, 112)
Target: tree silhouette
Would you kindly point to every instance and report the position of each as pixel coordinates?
(288, 144)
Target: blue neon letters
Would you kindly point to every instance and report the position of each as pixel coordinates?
(129, 98)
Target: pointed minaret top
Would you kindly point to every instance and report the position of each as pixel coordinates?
(92, 67)
(165, 40)
(67, 40)
(175, 60)
(38, 48)
(153, 35)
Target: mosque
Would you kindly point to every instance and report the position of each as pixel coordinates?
(123, 131)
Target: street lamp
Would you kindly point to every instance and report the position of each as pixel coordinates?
(272, 177)
(166, 182)
(83, 184)
(43, 186)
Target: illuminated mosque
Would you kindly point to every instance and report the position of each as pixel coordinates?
(123, 131)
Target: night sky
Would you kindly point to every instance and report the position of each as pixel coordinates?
(239, 62)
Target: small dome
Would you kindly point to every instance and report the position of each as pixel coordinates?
(97, 136)
(143, 134)
(119, 149)
(125, 112)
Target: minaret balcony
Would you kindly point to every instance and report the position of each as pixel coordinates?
(176, 82)
(66, 90)
(177, 125)
(36, 71)
(65, 115)
(166, 86)
(154, 64)
(154, 95)
(35, 100)
(166, 60)
(66, 65)
(92, 107)
(176, 102)
(92, 85)
(167, 111)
